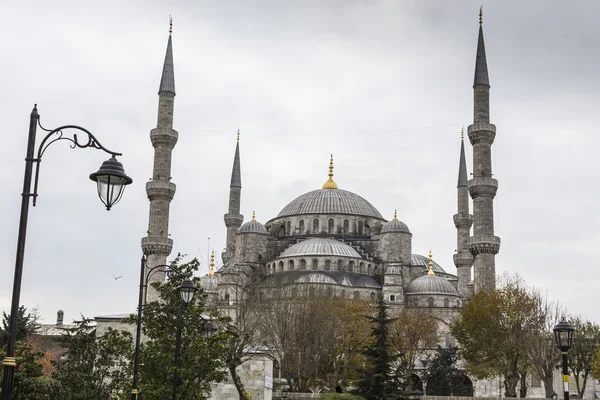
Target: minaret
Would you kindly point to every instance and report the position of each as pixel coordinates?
(233, 218)
(483, 244)
(157, 245)
(463, 259)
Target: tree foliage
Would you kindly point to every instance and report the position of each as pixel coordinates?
(93, 367)
(27, 324)
(379, 378)
(494, 330)
(443, 376)
(586, 339)
(30, 382)
(200, 358)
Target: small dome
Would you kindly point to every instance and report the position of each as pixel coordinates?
(209, 283)
(253, 226)
(320, 247)
(395, 225)
(431, 284)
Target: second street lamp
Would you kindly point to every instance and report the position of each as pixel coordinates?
(187, 290)
(563, 333)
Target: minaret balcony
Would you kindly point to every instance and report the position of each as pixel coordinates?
(484, 244)
(463, 220)
(482, 132)
(483, 186)
(164, 137)
(160, 190)
(157, 245)
(463, 259)
(233, 220)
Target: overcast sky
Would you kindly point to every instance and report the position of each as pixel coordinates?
(383, 85)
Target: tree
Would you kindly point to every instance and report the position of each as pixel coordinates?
(596, 365)
(27, 324)
(494, 329)
(443, 377)
(542, 352)
(581, 356)
(93, 367)
(200, 364)
(378, 378)
(412, 333)
(30, 381)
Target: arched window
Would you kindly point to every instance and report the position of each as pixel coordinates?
(361, 268)
(346, 226)
(268, 268)
(446, 302)
(370, 269)
(227, 298)
(315, 264)
(327, 265)
(311, 291)
(367, 230)
(288, 228)
(360, 227)
(356, 295)
(329, 291)
(281, 265)
(303, 264)
(330, 226)
(430, 302)
(458, 303)
(343, 294)
(315, 225)
(351, 266)
(340, 265)
(372, 296)
(291, 265)
(301, 226)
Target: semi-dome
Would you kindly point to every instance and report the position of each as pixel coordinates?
(417, 259)
(330, 201)
(253, 226)
(320, 247)
(395, 225)
(431, 284)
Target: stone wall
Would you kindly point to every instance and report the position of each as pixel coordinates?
(254, 374)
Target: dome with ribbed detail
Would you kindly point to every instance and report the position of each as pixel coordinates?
(253, 227)
(395, 225)
(431, 284)
(320, 247)
(330, 201)
(420, 260)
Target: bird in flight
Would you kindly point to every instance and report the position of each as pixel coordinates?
(117, 277)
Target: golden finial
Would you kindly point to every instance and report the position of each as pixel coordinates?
(480, 15)
(330, 184)
(211, 270)
(395, 215)
(253, 216)
(462, 133)
(430, 264)
(238, 136)
(170, 25)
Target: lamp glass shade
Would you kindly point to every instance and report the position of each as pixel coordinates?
(563, 333)
(111, 181)
(209, 330)
(187, 290)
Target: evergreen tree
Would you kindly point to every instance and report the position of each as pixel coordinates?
(27, 323)
(379, 378)
(443, 377)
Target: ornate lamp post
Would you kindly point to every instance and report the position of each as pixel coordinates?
(187, 290)
(111, 180)
(563, 333)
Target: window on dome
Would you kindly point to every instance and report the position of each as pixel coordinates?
(303, 264)
(360, 227)
(361, 268)
(288, 228)
(356, 295)
(301, 226)
(446, 302)
(372, 295)
(315, 264)
(343, 294)
(340, 265)
(430, 302)
(311, 291)
(329, 291)
(392, 297)
(327, 265)
(370, 269)
(346, 226)
(330, 226)
(291, 265)
(281, 265)
(367, 230)
(351, 266)
(315, 226)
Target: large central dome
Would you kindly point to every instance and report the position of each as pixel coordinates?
(330, 201)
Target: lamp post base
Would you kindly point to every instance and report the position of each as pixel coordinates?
(10, 365)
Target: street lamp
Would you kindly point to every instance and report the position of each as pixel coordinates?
(187, 290)
(563, 333)
(284, 392)
(113, 181)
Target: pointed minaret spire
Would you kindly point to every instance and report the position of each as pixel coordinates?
(481, 70)
(483, 245)
(160, 190)
(233, 218)
(167, 81)
(462, 165)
